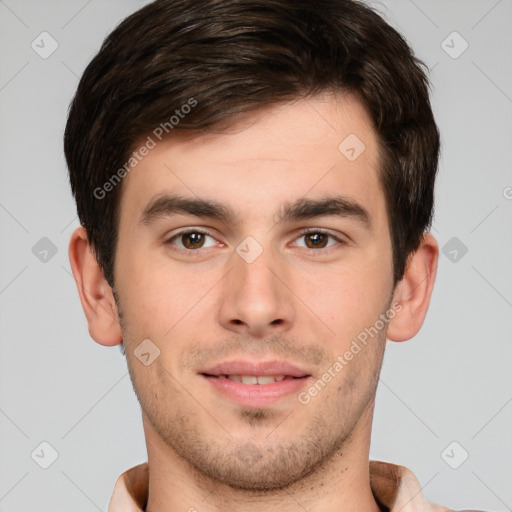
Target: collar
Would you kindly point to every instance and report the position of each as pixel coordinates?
(395, 488)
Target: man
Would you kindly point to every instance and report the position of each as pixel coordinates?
(254, 180)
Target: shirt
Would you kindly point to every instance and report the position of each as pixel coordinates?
(394, 487)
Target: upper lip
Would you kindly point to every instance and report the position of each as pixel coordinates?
(256, 368)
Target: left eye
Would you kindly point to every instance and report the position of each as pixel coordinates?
(193, 240)
(315, 240)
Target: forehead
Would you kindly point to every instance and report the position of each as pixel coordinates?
(314, 147)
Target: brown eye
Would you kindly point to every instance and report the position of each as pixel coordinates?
(193, 240)
(316, 240)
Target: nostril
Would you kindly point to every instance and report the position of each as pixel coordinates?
(237, 322)
(278, 321)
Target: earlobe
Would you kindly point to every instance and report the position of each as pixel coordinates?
(414, 291)
(95, 293)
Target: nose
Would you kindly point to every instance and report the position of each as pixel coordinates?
(255, 300)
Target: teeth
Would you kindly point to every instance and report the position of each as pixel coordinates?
(267, 379)
(252, 379)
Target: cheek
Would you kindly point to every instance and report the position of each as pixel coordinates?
(159, 295)
(347, 300)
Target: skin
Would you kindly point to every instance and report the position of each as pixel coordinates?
(293, 302)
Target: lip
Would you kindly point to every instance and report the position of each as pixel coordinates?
(256, 395)
(256, 368)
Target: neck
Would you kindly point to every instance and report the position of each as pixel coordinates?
(341, 483)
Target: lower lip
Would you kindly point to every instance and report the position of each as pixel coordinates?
(256, 395)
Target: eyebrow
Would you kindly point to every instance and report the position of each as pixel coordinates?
(167, 205)
(336, 206)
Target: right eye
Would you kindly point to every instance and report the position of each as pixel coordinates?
(192, 240)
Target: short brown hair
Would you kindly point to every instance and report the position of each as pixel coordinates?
(234, 56)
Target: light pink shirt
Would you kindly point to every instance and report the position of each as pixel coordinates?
(395, 487)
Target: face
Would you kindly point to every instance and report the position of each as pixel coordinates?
(253, 254)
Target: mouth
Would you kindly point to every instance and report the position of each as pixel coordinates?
(255, 369)
(255, 384)
(261, 380)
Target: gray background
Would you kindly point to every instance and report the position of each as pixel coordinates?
(451, 383)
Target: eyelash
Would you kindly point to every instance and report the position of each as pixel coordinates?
(323, 250)
(303, 233)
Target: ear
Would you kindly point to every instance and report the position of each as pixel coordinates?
(414, 290)
(95, 293)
